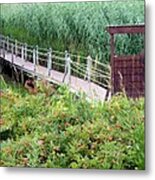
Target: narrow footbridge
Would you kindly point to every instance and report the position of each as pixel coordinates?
(81, 74)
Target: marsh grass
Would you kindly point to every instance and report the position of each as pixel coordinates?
(77, 27)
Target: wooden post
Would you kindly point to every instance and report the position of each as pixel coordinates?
(88, 70)
(133, 91)
(107, 96)
(22, 76)
(49, 64)
(95, 66)
(12, 52)
(7, 42)
(67, 73)
(78, 63)
(78, 59)
(25, 52)
(22, 53)
(4, 48)
(16, 51)
(1, 46)
(37, 56)
(112, 62)
(34, 60)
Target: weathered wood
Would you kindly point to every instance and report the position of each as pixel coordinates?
(132, 79)
(22, 77)
(3, 48)
(1, 45)
(7, 42)
(126, 29)
(34, 60)
(78, 59)
(49, 64)
(25, 51)
(37, 55)
(96, 65)
(67, 73)
(112, 44)
(22, 53)
(16, 48)
(76, 84)
(88, 69)
(12, 52)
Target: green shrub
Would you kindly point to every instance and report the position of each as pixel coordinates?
(62, 130)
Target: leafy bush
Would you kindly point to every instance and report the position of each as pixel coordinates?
(79, 27)
(63, 130)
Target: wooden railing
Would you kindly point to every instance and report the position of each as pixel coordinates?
(83, 67)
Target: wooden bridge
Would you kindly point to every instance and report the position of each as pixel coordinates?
(81, 74)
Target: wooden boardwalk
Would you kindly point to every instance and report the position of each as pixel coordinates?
(76, 84)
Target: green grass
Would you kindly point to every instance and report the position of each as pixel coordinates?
(61, 130)
(78, 27)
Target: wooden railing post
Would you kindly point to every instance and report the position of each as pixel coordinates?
(12, 52)
(34, 60)
(96, 67)
(37, 56)
(22, 53)
(49, 63)
(16, 53)
(67, 73)
(112, 44)
(4, 47)
(7, 42)
(25, 52)
(88, 69)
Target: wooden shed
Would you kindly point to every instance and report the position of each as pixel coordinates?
(127, 71)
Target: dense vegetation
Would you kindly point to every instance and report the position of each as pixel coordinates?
(55, 128)
(79, 27)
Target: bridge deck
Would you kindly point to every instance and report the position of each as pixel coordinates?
(91, 89)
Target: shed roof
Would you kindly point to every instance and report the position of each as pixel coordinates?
(126, 29)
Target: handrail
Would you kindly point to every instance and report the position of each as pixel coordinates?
(94, 70)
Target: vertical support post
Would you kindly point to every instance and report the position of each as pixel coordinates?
(4, 48)
(78, 63)
(67, 73)
(22, 76)
(49, 64)
(37, 56)
(7, 42)
(16, 48)
(12, 53)
(25, 52)
(112, 62)
(34, 60)
(88, 70)
(22, 53)
(134, 92)
(95, 66)
(96, 62)
(78, 59)
(108, 94)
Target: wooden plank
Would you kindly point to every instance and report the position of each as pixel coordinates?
(126, 29)
(112, 63)
(132, 70)
(92, 90)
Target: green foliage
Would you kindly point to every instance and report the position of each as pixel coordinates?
(79, 27)
(63, 130)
